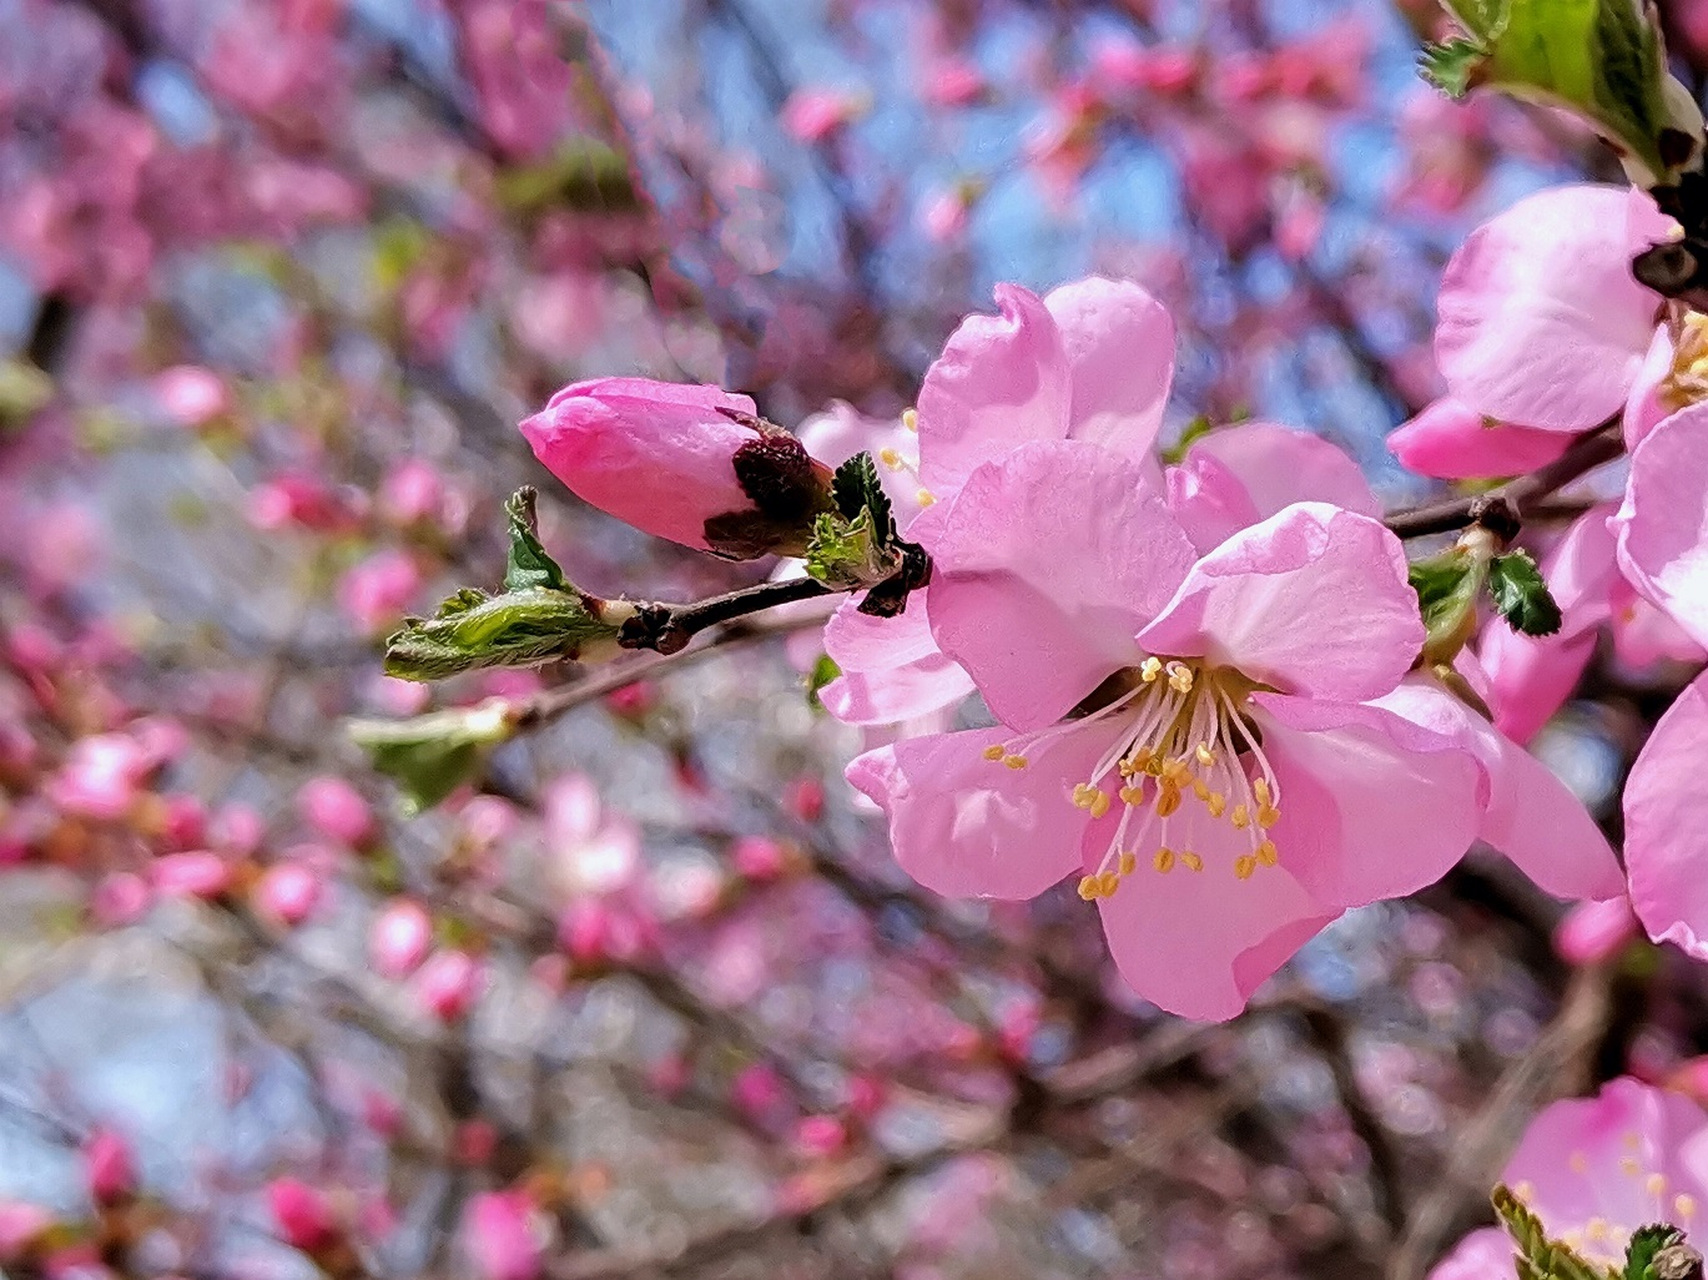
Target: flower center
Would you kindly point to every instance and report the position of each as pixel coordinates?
(1686, 383)
(1603, 1240)
(1184, 738)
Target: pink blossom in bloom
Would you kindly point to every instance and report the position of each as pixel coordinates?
(1594, 1170)
(503, 1236)
(1091, 361)
(1450, 441)
(102, 776)
(337, 810)
(668, 459)
(448, 984)
(375, 592)
(1662, 525)
(1223, 785)
(288, 892)
(1666, 826)
(303, 1215)
(191, 395)
(1540, 320)
(1595, 931)
(399, 938)
(108, 1169)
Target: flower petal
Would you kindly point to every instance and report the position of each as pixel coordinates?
(1540, 320)
(1372, 805)
(1198, 943)
(1662, 528)
(1049, 562)
(1485, 1254)
(1666, 826)
(905, 692)
(1452, 441)
(1001, 381)
(1530, 677)
(966, 826)
(1314, 600)
(1236, 476)
(1119, 342)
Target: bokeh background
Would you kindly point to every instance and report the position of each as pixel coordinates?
(277, 280)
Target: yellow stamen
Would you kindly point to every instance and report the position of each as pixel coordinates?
(890, 458)
(925, 498)
(1132, 795)
(1260, 789)
(1192, 861)
(1684, 1205)
(1240, 817)
(1015, 762)
(910, 419)
(1244, 866)
(1655, 1184)
(1168, 799)
(1164, 860)
(1082, 793)
(1129, 862)
(1088, 886)
(1099, 804)
(1150, 669)
(1216, 802)
(995, 751)
(1267, 853)
(1201, 789)
(1107, 883)
(1206, 757)
(1268, 816)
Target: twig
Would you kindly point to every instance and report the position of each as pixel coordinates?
(1504, 509)
(668, 628)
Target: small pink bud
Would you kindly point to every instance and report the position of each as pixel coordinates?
(474, 1141)
(119, 899)
(412, 492)
(184, 821)
(288, 892)
(191, 395)
(107, 1168)
(944, 215)
(804, 798)
(192, 875)
(820, 1136)
(584, 931)
(665, 458)
(502, 1234)
(865, 1096)
(101, 777)
(1595, 931)
(633, 700)
(760, 857)
(399, 938)
(953, 82)
(377, 591)
(237, 828)
(813, 114)
(758, 1090)
(447, 985)
(336, 809)
(21, 1225)
(303, 1215)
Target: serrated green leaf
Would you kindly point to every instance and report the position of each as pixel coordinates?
(1447, 587)
(529, 564)
(1451, 65)
(1521, 596)
(1540, 1258)
(1645, 1243)
(824, 670)
(431, 756)
(846, 554)
(855, 488)
(526, 628)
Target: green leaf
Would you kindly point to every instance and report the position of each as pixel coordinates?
(431, 756)
(824, 670)
(1447, 586)
(1645, 1243)
(848, 555)
(529, 564)
(856, 488)
(1194, 431)
(1452, 65)
(1540, 1258)
(1521, 596)
(517, 629)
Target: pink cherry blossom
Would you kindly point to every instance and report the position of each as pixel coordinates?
(303, 1215)
(1594, 1170)
(813, 114)
(665, 457)
(191, 395)
(1541, 321)
(337, 810)
(503, 1236)
(192, 875)
(1595, 931)
(102, 776)
(1092, 361)
(399, 937)
(448, 984)
(375, 592)
(1207, 689)
(1451, 441)
(1662, 525)
(288, 892)
(1666, 826)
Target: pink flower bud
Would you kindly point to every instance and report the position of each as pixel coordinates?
(943, 217)
(119, 899)
(237, 828)
(184, 821)
(474, 1141)
(759, 857)
(501, 1232)
(412, 492)
(107, 1168)
(336, 809)
(812, 115)
(1595, 931)
(303, 1215)
(101, 776)
(447, 985)
(953, 82)
(21, 1225)
(375, 592)
(758, 1090)
(288, 892)
(399, 938)
(191, 395)
(662, 457)
(192, 875)
(820, 1136)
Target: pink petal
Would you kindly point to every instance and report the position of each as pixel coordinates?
(1314, 600)
(1662, 527)
(1372, 805)
(1001, 381)
(1592, 932)
(966, 826)
(1485, 1254)
(1198, 943)
(1119, 343)
(906, 692)
(1237, 476)
(1643, 408)
(1050, 560)
(1451, 441)
(1541, 321)
(858, 641)
(1666, 826)
(1530, 677)
(1644, 635)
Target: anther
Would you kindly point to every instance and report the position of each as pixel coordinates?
(1191, 860)
(995, 751)
(1129, 862)
(1015, 762)
(1168, 799)
(1240, 817)
(1099, 804)
(1267, 853)
(1180, 677)
(1655, 1184)
(1088, 886)
(1244, 866)
(910, 419)
(1260, 789)
(1217, 802)
(890, 458)
(925, 498)
(1132, 795)
(1201, 789)
(1107, 883)
(1150, 669)
(1684, 1205)
(1268, 815)
(1206, 757)
(1164, 860)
